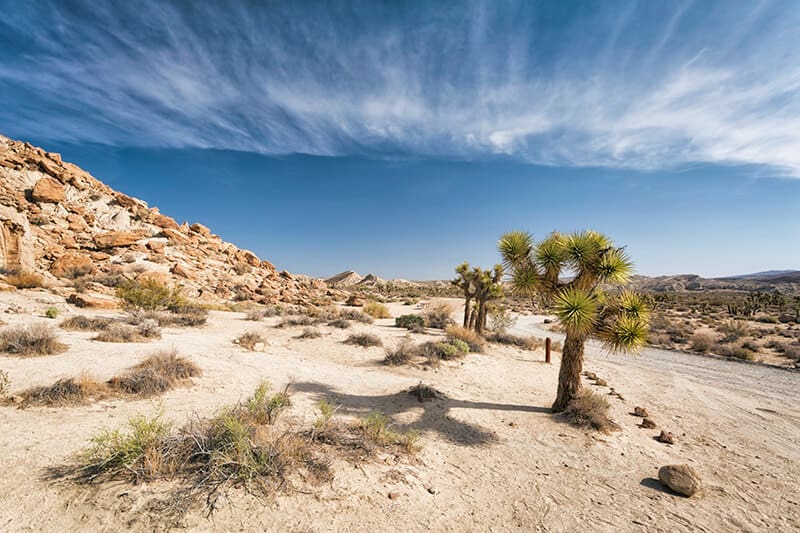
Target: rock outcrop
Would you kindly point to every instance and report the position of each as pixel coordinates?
(58, 220)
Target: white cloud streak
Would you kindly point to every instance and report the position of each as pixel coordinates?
(659, 86)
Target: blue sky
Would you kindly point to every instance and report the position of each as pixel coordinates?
(401, 138)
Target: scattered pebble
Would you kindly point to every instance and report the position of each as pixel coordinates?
(682, 479)
(647, 423)
(394, 495)
(666, 437)
(433, 490)
(601, 383)
(640, 411)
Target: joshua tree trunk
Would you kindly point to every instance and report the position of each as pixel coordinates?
(479, 318)
(569, 375)
(467, 311)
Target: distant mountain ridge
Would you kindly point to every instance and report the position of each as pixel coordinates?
(787, 282)
(771, 274)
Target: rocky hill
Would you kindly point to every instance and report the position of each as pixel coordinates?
(787, 283)
(59, 221)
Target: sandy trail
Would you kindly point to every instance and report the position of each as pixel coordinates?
(494, 455)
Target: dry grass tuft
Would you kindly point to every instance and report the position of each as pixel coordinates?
(474, 341)
(300, 320)
(356, 316)
(525, 343)
(116, 332)
(25, 280)
(157, 373)
(401, 354)
(31, 340)
(249, 340)
(364, 339)
(340, 323)
(377, 310)
(68, 391)
(310, 333)
(439, 316)
(424, 393)
(590, 410)
(85, 323)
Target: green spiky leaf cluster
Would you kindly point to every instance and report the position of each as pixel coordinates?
(573, 272)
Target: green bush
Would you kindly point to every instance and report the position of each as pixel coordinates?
(150, 294)
(412, 322)
(51, 312)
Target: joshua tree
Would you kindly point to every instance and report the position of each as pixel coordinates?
(488, 286)
(464, 281)
(582, 307)
(482, 286)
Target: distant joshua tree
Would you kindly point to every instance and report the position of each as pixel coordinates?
(481, 286)
(583, 308)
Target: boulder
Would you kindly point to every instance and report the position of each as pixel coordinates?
(647, 423)
(682, 479)
(666, 437)
(640, 411)
(201, 229)
(163, 221)
(116, 239)
(72, 264)
(180, 270)
(48, 190)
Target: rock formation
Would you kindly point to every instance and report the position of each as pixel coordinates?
(57, 220)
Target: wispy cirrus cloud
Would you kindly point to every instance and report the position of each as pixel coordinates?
(656, 85)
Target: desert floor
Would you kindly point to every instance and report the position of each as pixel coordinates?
(493, 457)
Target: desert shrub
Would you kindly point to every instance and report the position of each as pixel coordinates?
(733, 330)
(702, 342)
(149, 294)
(25, 280)
(792, 351)
(768, 320)
(501, 319)
(310, 333)
(249, 340)
(438, 316)
(589, 410)
(340, 323)
(263, 408)
(363, 339)
(68, 391)
(411, 301)
(411, 321)
(85, 323)
(157, 373)
(733, 350)
(30, 340)
(377, 310)
(190, 316)
(4, 383)
(138, 452)
(526, 343)
(255, 314)
(116, 332)
(401, 354)
(51, 312)
(291, 321)
(377, 428)
(474, 341)
(356, 315)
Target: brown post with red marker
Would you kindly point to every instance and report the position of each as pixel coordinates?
(547, 350)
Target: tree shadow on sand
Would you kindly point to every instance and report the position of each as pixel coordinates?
(435, 416)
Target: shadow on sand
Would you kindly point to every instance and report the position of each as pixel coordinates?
(435, 416)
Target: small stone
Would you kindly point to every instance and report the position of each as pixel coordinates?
(648, 423)
(601, 383)
(394, 495)
(433, 490)
(640, 411)
(666, 437)
(682, 479)
(590, 375)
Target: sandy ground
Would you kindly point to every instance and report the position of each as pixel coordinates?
(497, 460)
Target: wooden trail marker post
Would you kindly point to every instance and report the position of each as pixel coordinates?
(547, 350)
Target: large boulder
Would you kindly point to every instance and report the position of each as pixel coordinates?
(116, 239)
(682, 479)
(71, 265)
(48, 190)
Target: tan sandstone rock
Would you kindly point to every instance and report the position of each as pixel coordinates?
(48, 190)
